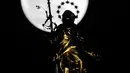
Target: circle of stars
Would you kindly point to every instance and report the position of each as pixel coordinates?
(67, 2)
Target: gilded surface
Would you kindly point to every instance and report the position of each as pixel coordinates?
(68, 56)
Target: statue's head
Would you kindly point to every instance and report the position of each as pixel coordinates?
(68, 17)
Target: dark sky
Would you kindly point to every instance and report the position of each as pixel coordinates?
(102, 28)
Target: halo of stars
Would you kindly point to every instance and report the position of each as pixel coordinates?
(67, 2)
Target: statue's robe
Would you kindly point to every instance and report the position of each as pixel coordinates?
(68, 57)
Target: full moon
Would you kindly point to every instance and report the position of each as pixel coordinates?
(35, 11)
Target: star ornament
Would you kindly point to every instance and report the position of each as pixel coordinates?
(71, 6)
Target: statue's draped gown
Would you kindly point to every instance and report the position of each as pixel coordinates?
(68, 57)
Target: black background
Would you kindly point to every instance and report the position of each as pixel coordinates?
(102, 28)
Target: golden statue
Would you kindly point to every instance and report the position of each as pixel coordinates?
(68, 58)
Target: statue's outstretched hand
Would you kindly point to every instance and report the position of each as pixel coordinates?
(94, 56)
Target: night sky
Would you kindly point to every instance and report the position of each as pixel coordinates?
(102, 28)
